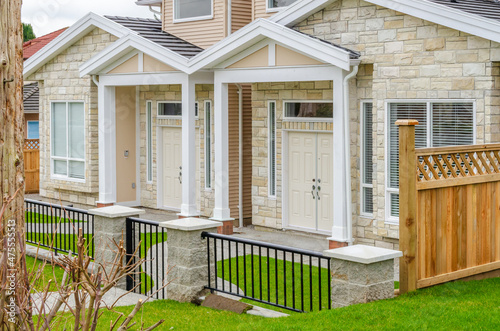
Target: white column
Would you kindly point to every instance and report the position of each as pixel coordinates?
(221, 210)
(188, 206)
(339, 229)
(107, 144)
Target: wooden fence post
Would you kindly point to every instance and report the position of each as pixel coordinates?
(407, 206)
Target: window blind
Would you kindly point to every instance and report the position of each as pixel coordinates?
(452, 124)
(272, 148)
(367, 175)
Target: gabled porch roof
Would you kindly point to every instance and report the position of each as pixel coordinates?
(261, 29)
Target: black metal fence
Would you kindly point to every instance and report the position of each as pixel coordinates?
(280, 276)
(152, 240)
(56, 227)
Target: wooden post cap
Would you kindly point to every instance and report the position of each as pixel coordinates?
(406, 122)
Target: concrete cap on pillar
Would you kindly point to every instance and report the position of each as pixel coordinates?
(363, 254)
(190, 224)
(116, 211)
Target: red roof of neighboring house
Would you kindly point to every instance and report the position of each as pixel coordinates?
(32, 46)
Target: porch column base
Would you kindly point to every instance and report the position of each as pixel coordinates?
(227, 226)
(104, 204)
(335, 243)
(180, 216)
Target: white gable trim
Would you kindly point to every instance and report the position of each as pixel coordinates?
(74, 33)
(429, 11)
(102, 60)
(261, 29)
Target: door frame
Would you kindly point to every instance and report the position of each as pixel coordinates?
(159, 175)
(284, 181)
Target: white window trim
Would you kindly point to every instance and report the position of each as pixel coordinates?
(28, 127)
(270, 9)
(192, 19)
(52, 158)
(306, 119)
(388, 190)
(363, 185)
(176, 117)
(271, 196)
(208, 161)
(149, 103)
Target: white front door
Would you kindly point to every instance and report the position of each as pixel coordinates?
(310, 181)
(172, 168)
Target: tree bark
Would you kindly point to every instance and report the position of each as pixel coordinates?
(11, 152)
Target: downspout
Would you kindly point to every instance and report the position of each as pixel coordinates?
(240, 159)
(94, 79)
(155, 12)
(347, 152)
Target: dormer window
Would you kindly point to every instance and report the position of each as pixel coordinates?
(192, 10)
(273, 5)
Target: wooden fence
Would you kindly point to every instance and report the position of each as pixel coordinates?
(32, 165)
(449, 211)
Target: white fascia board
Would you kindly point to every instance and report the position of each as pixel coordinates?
(149, 3)
(446, 16)
(74, 33)
(260, 29)
(299, 11)
(426, 10)
(123, 46)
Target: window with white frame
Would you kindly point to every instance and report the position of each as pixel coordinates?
(68, 140)
(308, 109)
(367, 158)
(441, 123)
(273, 4)
(173, 109)
(208, 144)
(192, 9)
(149, 140)
(33, 131)
(272, 148)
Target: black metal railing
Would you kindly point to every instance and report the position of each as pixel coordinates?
(56, 227)
(284, 277)
(152, 241)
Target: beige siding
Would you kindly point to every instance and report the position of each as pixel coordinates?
(287, 57)
(153, 65)
(254, 60)
(131, 65)
(203, 33)
(233, 112)
(260, 9)
(241, 14)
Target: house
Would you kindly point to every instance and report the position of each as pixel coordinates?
(30, 89)
(276, 113)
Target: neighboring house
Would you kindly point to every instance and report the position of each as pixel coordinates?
(30, 89)
(279, 116)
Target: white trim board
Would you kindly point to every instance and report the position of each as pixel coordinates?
(81, 28)
(427, 10)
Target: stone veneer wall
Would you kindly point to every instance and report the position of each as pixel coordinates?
(412, 59)
(157, 93)
(59, 79)
(267, 211)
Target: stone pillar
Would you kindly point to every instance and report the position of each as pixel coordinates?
(187, 257)
(109, 225)
(361, 274)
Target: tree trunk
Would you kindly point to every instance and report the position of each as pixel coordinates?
(11, 161)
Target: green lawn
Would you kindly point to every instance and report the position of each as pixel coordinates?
(473, 305)
(267, 272)
(49, 272)
(32, 217)
(58, 240)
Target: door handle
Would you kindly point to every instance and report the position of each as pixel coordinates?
(317, 194)
(180, 177)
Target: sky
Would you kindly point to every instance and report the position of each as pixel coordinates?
(49, 15)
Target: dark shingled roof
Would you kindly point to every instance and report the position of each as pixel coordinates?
(151, 29)
(484, 8)
(30, 98)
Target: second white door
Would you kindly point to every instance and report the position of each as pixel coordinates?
(310, 181)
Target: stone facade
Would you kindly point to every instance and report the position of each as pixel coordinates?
(267, 211)
(411, 59)
(59, 80)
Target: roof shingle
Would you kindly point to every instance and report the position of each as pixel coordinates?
(30, 98)
(152, 30)
(484, 8)
(32, 46)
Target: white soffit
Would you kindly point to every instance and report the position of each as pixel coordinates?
(74, 33)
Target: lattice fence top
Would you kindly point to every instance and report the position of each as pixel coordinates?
(31, 144)
(457, 163)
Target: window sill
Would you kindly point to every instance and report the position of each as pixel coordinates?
(193, 19)
(67, 179)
